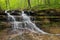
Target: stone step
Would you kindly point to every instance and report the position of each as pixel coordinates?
(34, 13)
(36, 18)
(33, 16)
(8, 24)
(37, 14)
(3, 16)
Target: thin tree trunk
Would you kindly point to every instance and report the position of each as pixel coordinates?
(48, 2)
(45, 2)
(38, 2)
(7, 4)
(0, 5)
(29, 4)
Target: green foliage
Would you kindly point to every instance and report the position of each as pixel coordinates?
(23, 4)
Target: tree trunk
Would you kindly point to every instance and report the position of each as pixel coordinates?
(29, 4)
(48, 2)
(7, 4)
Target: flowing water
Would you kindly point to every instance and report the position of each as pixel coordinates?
(12, 18)
(26, 21)
(31, 26)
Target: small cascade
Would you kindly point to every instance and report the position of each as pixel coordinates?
(26, 23)
(12, 18)
(29, 25)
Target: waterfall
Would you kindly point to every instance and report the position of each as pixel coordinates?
(12, 18)
(26, 21)
(31, 26)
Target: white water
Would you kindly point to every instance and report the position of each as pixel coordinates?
(26, 21)
(14, 23)
(31, 26)
(27, 24)
(10, 16)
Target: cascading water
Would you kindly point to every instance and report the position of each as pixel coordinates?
(26, 21)
(15, 23)
(31, 26)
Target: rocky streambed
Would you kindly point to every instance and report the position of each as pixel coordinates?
(35, 36)
(27, 35)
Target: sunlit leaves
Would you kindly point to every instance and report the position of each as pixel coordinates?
(22, 4)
